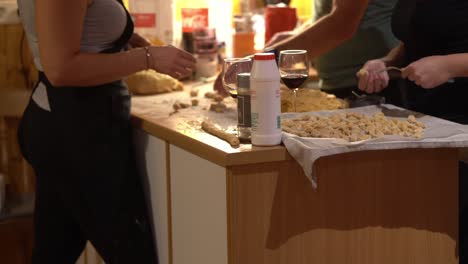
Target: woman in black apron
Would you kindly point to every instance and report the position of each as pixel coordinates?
(434, 39)
(87, 184)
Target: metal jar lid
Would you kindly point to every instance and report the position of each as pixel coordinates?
(243, 80)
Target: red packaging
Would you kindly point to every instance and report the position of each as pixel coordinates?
(279, 19)
(146, 20)
(194, 18)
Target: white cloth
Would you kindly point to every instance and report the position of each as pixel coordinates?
(438, 133)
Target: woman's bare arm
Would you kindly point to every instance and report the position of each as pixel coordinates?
(59, 26)
(373, 77)
(433, 71)
(329, 31)
(396, 56)
(456, 65)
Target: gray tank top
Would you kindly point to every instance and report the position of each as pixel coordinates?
(104, 23)
(374, 39)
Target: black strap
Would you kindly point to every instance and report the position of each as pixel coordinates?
(113, 88)
(121, 42)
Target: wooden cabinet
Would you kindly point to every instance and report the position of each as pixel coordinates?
(397, 206)
(16, 240)
(17, 70)
(212, 203)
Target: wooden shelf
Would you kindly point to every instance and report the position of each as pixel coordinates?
(13, 101)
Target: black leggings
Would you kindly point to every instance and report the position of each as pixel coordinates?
(87, 185)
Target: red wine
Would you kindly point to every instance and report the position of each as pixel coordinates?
(293, 81)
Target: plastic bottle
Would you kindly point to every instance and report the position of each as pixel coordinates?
(265, 100)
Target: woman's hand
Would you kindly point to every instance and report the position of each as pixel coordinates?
(137, 41)
(372, 77)
(172, 61)
(428, 72)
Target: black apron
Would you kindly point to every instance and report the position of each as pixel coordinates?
(428, 28)
(83, 158)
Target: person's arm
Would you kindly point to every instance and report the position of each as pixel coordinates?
(372, 77)
(329, 31)
(137, 41)
(456, 65)
(432, 71)
(396, 56)
(59, 25)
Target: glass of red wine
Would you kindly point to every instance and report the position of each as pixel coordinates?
(232, 67)
(294, 69)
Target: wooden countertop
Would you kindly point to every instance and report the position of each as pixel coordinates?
(182, 129)
(153, 115)
(156, 120)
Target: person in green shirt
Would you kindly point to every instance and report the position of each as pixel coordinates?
(341, 37)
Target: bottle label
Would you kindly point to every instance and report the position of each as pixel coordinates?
(243, 111)
(254, 117)
(266, 108)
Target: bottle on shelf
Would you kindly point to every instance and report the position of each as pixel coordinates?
(190, 15)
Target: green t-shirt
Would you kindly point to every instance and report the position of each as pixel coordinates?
(374, 39)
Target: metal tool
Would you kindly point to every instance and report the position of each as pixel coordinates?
(389, 68)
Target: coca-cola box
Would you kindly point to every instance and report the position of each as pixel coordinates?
(192, 18)
(145, 20)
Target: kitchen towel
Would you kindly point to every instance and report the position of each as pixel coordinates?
(438, 133)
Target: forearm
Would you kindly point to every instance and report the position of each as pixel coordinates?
(329, 31)
(89, 69)
(396, 56)
(59, 26)
(457, 65)
(317, 38)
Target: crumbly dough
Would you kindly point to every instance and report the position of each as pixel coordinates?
(218, 107)
(180, 105)
(217, 104)
(362, 72)
(214, 130)
(352, 126)
(194, 93)
(310, 100)
(210, 95)
(218, 98)
(152, 82)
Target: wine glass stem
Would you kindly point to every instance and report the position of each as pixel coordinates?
(294, 99)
